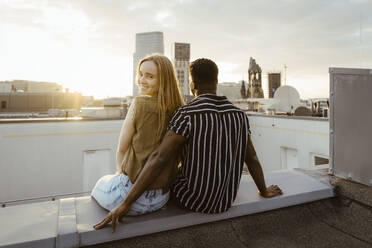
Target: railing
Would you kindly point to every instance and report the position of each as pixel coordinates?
(52, 159)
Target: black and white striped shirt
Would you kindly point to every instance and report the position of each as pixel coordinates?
(216, 134)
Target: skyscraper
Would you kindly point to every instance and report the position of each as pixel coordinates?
(181, 61)
(146, 43)
(273, 82)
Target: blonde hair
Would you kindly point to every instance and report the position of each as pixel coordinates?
(169, 96)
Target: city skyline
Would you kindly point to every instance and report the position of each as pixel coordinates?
(88, 46)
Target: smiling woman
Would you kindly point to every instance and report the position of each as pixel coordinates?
(141, 133)
(148, 81)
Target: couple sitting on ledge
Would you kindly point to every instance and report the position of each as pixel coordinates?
(195, 155)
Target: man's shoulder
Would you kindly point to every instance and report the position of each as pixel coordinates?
(189, 106)
(204, 104)
(217, 103)
(182, 109)
(200, 101)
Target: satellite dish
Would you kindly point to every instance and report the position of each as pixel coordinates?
(303, 111)
(287, 99)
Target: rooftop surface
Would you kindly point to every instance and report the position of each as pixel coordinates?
(325, 224)
(68, 222)
(341, 221)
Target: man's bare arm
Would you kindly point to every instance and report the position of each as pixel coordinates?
(163, 156)
(168, 151)
(255, 169)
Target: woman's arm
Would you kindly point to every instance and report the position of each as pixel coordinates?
(126, 135)
(169, 150)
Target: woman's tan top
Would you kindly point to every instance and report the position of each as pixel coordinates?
(145, 141)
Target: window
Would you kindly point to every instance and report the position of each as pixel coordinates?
(320, 160)
(3, 104)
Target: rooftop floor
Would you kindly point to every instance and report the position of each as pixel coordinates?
(68, 222)
(322, 224)
(341, 221)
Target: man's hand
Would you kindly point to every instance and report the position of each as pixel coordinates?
(113, 216)
(271, 191)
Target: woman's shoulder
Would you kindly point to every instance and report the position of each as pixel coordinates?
(144, 99)
(145, 104)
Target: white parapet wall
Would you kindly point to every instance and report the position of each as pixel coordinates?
(46, 159)
(50, 158)
(284, 142)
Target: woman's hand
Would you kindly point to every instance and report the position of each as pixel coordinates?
(117, 214)
(271, 191)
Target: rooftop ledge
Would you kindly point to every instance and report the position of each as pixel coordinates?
(69, 222)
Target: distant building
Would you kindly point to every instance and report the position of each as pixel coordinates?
(5, 87)
(146, 43)
(38, 101)
(255, 80)
(318, 106)
(23, 96)
(181, 61)
(113, 102)
(29, 86)
(243, 89)
(230, 90)
(274, 79)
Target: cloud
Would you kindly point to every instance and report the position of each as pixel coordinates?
(307, 36)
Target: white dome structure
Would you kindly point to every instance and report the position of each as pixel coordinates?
(287, 99)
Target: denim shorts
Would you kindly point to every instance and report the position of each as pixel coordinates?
(111, 190)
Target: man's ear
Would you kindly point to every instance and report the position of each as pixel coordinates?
(192, 88)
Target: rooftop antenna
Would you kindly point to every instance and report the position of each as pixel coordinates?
(285, 74)
(360, 39)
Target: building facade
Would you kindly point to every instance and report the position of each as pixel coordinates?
(26, 102)
(273, 79)
(29, 86)
(146, 43)
(5, 87)
(181, 61)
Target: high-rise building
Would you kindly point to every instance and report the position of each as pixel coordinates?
(146, 43)
(273, 82)
(181, 61)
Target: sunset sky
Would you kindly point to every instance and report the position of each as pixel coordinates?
(87, 45)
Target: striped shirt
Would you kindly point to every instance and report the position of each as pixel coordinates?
(216, 134)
